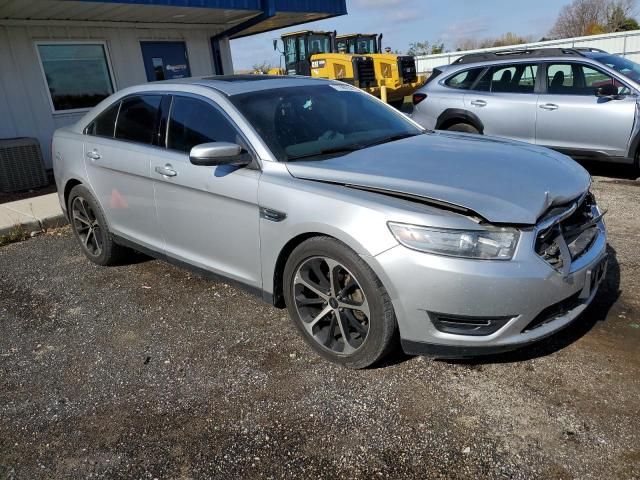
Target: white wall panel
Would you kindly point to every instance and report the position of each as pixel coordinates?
(25, 108)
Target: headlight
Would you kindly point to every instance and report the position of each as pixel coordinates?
(495, 244)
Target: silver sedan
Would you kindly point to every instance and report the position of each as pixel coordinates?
(319, 198)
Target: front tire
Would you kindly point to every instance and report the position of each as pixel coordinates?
(90, 228)
(338, 304)
(463, 127)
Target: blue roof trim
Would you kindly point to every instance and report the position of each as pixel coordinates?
(222, 4)
(330, 7)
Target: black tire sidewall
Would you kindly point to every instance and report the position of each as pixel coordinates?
(464, 128)
(107, 244)
(381, 322)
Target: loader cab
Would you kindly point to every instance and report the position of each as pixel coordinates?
(298, 47)
(360, 44)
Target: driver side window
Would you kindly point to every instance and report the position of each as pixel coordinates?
(578, 79)
(193, 122)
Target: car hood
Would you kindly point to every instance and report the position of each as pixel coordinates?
(501, 180)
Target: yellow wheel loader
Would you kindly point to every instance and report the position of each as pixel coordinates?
(396, 72)
(313, 53)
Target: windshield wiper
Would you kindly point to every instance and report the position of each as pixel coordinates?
(392, 138)
(327, 151)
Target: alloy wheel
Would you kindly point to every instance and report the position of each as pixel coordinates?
(86, 225)
(331, 304)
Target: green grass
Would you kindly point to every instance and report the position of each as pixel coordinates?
(17, 234)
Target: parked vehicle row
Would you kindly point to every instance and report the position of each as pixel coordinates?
(582, 102)
(326, 201)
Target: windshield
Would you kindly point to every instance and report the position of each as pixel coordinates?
(359, 45)
(319, 44)
(626, 67)
(320, 120)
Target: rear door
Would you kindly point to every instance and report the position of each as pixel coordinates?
(208, 216)
(573, 119)
(118, 147)
(505, 100)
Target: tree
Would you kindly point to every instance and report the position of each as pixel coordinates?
(619, 17)
(425, 48)
(263, 67)
(507, 39)
(504, 40)
(590, 17)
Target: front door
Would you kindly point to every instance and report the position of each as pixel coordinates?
(165, 60)
(504, 100)
(573, 119)
(208, 216)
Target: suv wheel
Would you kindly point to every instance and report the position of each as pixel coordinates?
(338, 304)
(463, 127)
(90, 228)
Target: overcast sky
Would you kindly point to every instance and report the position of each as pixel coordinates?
(406, 21)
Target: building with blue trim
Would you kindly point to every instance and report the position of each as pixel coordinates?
(58, 58)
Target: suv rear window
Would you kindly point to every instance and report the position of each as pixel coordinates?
(463, 80)
(515, 78)
(138, 118)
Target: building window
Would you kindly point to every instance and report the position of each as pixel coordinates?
(77, 75)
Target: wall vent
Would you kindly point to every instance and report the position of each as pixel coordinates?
(21, 165)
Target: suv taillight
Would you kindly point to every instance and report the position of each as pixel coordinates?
(418, 97)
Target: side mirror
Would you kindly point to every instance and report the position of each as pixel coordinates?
(275, 44)
(219, 153)
(608, 90)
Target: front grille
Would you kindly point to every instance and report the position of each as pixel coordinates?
(407, 69)
(364, 72)
(571, 236)
(554, 311)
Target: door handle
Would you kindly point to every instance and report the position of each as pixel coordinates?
(166, 171)
(549, 106)
(479, 103)
(94, 155)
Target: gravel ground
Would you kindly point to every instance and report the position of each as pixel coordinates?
(147, 371)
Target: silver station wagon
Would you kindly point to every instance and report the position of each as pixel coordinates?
(370, 230)
(579, 101)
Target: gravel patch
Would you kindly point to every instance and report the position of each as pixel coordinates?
(148, 371)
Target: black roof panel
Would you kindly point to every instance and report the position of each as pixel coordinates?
(523, 54)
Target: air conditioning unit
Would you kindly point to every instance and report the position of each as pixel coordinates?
(21, 165)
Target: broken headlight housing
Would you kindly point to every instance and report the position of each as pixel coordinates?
(494, 244)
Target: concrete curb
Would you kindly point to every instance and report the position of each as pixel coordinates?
(31, 215)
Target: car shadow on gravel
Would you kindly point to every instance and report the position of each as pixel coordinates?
(615, 171)
(605, 299)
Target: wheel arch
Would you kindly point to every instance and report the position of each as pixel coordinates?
(71, 183)
(277, 297)
(451, 116)
(281, 261)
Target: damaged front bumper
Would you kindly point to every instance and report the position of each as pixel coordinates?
(453, 307)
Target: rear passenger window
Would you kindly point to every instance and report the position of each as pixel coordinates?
(518, 78)
(104, 125)
(463, 80)
(193, 122)
(138, 118)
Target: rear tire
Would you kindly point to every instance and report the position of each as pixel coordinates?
(90, 228)
(463, 127)
(338, 304)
